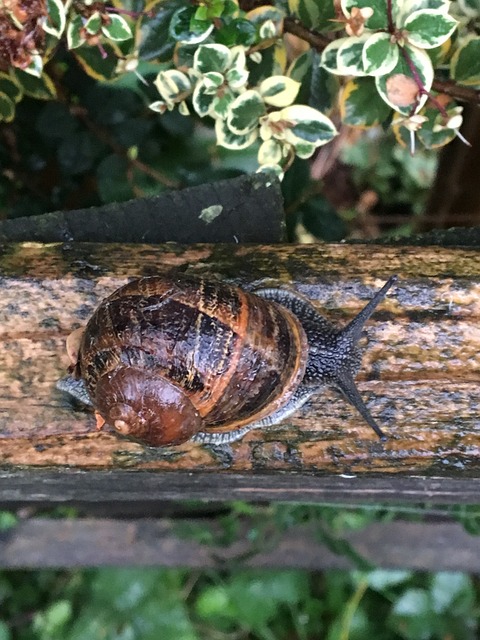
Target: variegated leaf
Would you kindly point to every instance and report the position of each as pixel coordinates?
(379, 55)
(118, 28)
(349, 56)
(399, 88)
(226, 138)
(55, 21)
(279, 91)
(306, 124)
(211, 57)
(245, 112)
(429, 28)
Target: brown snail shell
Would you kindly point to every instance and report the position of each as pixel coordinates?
(165, 357)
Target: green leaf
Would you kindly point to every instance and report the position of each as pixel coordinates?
(74, 33)
(211, 57)
(399, 88)
(39, 88)
(118, 29)
(236, 78)
(221, 105)
(212, 80)
(95, 64)
(173, 85)
(52, 622)
(301, 66)
(379, 55)
(279, 91)
(35, 66)
(7, 108)
(412, 615)
(156, 43)
(10, 87)
(381, 580)
(270, 152)
(245, 112)
(349, 55)
(183, 27)
(465, 64)
(202, 99)
(448, 589)
(428, 28)
(313, 14)
(236, 32)
(226, 137)
(429, 136)
(361, 105)
(305, 150)
(7, 521)
(404, 8)
(307, 125)
(4, 631)
(56, 18)
(93, 24)
(324, 88)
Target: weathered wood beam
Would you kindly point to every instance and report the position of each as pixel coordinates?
(40, 543)
(420, 373)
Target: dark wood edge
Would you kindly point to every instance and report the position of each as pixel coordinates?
(69, 486)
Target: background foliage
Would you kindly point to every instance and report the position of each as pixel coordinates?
(103, 102)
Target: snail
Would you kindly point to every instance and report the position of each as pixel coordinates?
(170, 358)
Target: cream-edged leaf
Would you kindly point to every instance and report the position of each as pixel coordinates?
(226, 138)
(349, 56)
(329, 59)
(399, 88)
(379, 54)
(55, 21)
(245, 112)
(306, 124)
(270, 152)
(429, 28)
(211, 57)
(279, 91)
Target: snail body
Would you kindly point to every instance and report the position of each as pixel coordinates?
(169, 358)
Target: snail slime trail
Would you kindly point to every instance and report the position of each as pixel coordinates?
(172, 358)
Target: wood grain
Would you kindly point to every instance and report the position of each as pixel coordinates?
(420, 373)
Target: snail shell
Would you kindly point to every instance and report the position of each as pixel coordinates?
(165, 357)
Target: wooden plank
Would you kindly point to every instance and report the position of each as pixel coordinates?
(420, 373)
(125, 485)
(40, 543)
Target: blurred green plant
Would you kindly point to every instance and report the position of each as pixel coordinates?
(147, 604)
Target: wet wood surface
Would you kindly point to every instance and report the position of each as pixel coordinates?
(420, 374)
(35, 543)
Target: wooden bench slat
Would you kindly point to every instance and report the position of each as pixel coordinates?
(34, 543)
(420, 374)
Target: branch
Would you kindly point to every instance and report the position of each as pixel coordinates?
(314, 39)
(319, 41)
(458, 91)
